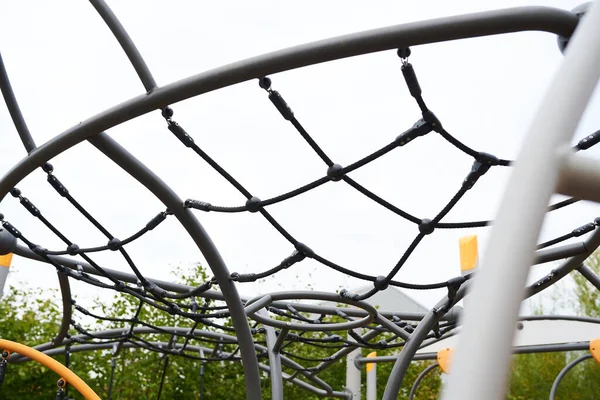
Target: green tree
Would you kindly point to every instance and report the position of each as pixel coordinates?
(32, 317)
(533, 374)
(28, 316)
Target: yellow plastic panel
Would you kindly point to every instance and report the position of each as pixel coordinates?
(444, 357)
(5, 260)
(469, 252)
(595, 349)
(370, 366)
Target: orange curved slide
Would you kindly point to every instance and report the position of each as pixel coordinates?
(54, 365)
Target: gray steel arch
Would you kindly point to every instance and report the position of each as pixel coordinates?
(65, 291)
(171, 200)
(21, 126)
(564, 372)
(135, 58)
(188, 220)
(422, 375)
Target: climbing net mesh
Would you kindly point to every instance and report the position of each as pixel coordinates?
(214, 324)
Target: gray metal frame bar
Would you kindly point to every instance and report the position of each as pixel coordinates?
(265, 300)
(486, 340)
(564, 371)
(145, 176)
(422, 375)
(188, 220)
(591, 244)
(542, 256)
(577, 318)
(547, 348)
(589, 275)
(71, 263)
(559, 252)
(21, 126)
(14, 109)
(409, 350)
(136, 59)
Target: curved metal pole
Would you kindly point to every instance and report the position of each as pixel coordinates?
(546, 19)
(422, 375)
(591, 244)
(14, 109)
(404, 359)
(188, 220)
(126, 43)
(65, 290)
(549, 348)
(588, 247)
(590, 320)
(253, 305)
(21, 126)
(24, 251)
(564, 371)
(491, 316)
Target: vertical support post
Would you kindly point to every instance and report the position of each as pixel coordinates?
(469, 257)
(201, 375)
(371, 370)
(5, 261)
(113, 365)
(274, 360)
(353, 374)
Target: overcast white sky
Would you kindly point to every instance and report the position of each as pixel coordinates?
(65, 66)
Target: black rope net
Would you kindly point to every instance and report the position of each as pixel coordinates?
(201, 328)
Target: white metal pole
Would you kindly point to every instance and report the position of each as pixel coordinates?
(371, 372)
(353, 375)
(483, 354)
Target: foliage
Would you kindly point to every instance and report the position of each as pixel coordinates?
(29, 317)
(32, 317)
(533, 374)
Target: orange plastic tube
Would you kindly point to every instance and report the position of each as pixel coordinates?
(54, 365)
